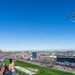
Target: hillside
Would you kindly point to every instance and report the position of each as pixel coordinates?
(42, 70)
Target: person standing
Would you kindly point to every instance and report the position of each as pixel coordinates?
(11, 67)
(2, 68)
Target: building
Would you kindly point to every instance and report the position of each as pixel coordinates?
(34, 55)
(65, 58)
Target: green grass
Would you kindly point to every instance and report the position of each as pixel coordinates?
(42, 70)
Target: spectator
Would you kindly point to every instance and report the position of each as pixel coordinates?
(11, 67)
(4, 70)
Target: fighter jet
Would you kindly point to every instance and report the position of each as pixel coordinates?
(69, 15)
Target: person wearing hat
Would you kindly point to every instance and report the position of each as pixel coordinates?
(2, 68)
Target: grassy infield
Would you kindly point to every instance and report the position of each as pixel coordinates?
(42, 70)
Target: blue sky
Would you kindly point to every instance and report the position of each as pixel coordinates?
(36, 24)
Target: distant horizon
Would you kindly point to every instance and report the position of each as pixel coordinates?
(41, 50)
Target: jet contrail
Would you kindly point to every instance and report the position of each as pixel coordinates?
(72, 20)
